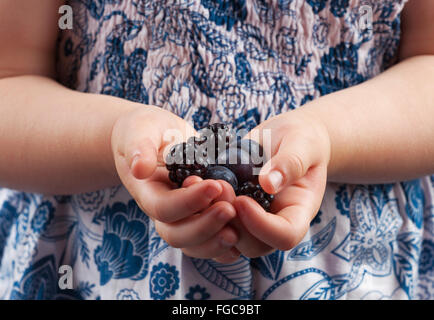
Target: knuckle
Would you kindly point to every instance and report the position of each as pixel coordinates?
(162, 232)
(225, 207)
(157, 214)
(295, 164)
(194, 204)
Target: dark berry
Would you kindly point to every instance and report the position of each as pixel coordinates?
(253, 148)
(242, 162)
(222, 173)
(216, 138)
(182, 161)
(218, 153)
(256, 192)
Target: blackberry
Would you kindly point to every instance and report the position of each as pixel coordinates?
(217, 135)
(184, 160)
(256, 192)
(238, 161)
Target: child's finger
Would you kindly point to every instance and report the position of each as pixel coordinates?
(217, 246)
(292, 160)
(248, 244)
(142, 158)
(139, 139)
(198, 228)
(189, 181)
(282, 230)
(228, 193)
(136, 149)
(160, 202)
(173, 205)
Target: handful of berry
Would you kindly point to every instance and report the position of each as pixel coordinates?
(218, 153)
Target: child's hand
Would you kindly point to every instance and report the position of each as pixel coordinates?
(297, 174)
(193, 217)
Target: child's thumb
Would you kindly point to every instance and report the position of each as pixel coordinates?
(291, 162)
(142, 159)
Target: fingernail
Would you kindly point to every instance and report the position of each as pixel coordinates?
(276, 179)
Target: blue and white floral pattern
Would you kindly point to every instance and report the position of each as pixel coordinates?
(127, 294)
(197, 293)
(43, 216)
(368, 245)
(338, 69)
(201, 118)
(317, 5)
(124, 249)
(239, 62)
(226, 12)
(164, 281)
(426, 263)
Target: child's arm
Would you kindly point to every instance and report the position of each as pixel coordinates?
(52, 139)
(386, 132)
(383, 129)
(56, 140)
(379, 131)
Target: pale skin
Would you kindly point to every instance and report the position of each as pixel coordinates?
(59, 141)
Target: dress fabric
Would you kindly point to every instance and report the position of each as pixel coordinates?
(239, 62)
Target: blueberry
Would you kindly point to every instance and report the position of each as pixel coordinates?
(222, 173)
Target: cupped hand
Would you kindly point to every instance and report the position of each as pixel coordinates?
(296, 174)
(193, 217)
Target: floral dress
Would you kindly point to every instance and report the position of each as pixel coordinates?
(239, 62)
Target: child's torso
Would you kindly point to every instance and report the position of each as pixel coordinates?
(238, 61)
